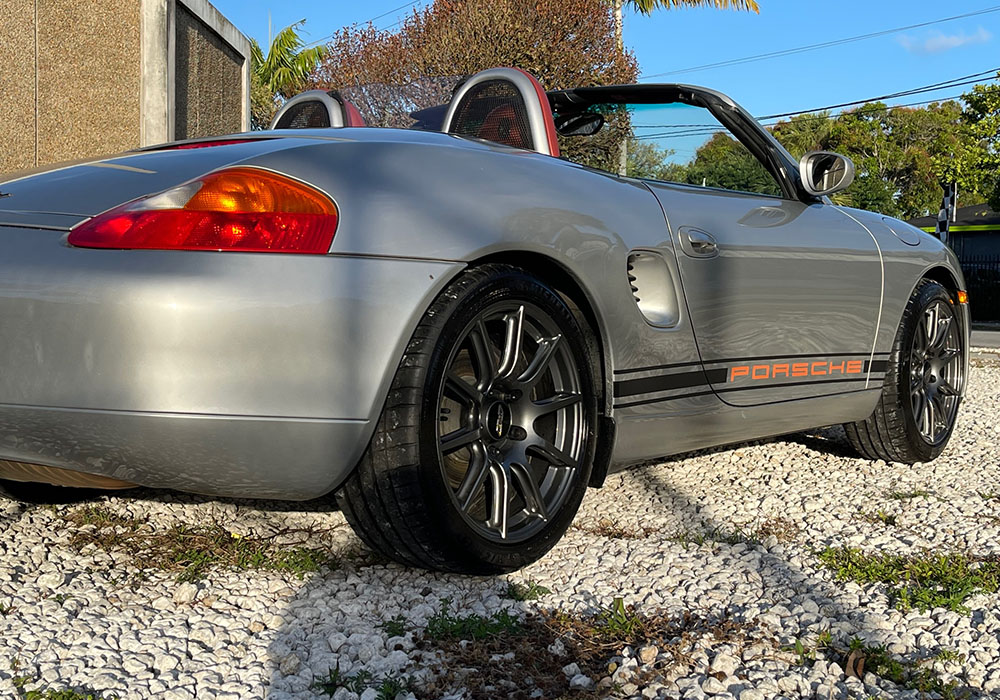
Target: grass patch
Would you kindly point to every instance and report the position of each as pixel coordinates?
(386, 688)
(191, 551)
(862, 659)
(526, 661)
(445, 625)
(21, 681)
(782, 529)
(908, 495)
(528, 590)
(880, 516)
(395, 627)
(615, 530)
(920, 582)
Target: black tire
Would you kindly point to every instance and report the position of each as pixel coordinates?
(403, 498)
(895, 432)
(43, 494)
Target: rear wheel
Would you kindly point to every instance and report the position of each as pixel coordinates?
(923, 385)
(484, 447)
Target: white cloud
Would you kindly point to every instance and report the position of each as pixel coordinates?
(938, 42)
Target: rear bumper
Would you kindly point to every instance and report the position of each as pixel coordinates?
(220, 373)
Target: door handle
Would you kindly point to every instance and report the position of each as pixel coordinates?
(698, 244)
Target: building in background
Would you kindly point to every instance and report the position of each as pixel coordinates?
(81, 78)
(975, 238)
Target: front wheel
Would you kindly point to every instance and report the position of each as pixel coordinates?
(923, 385)
(485, 445)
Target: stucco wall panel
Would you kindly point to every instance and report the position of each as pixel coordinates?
(89, 75)
(17, 84)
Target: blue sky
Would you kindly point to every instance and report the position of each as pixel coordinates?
(680, 39)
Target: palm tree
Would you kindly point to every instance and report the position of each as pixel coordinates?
(646, 7)
(282, 72)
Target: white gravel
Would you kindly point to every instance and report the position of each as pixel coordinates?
(77, 621)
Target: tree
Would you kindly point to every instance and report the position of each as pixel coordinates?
(647, 160)
(564, 43)
(280, 74)
(975, 162)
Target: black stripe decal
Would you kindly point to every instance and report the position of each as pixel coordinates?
(787, 384)
(668, 382)
(643, 402)
(877, 366)
(653, 368)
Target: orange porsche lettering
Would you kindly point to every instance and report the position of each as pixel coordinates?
(818, 368)
(737, 372)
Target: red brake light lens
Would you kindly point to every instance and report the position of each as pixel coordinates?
(239, 209)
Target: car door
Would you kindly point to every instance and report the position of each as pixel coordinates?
(783, 295)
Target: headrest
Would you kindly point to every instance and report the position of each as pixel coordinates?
(504, 105)
(317, 109)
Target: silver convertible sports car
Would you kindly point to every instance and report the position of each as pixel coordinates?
(452, 327)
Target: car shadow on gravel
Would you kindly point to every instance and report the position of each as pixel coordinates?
(343, 619)
(786, 583)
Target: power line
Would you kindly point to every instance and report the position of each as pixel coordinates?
(370, 21)
(954, 82)
(821, 45)
(713, 128)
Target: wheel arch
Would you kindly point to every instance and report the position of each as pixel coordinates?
(943, 276)
(554, 273)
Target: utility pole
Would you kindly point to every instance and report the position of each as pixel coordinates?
(620, 43)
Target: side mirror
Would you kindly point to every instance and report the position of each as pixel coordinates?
(824, 172)
(584, 124)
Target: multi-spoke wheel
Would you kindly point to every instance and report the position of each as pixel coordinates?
(923, 384)
(484, 450)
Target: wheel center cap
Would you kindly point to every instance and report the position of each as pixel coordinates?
(498, 419)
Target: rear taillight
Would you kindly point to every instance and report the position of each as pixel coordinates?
(238, 209)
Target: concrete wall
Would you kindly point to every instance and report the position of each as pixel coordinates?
(80, 78)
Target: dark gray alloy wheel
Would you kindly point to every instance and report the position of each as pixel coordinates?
(923, 385)
(512, 431)
(937, 372)
(485, 445)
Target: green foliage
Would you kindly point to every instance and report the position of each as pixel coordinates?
(618, 620)
(975, 164)
(921, 582)
(649, 161)
(525, 591)
(395, 627)
(907, 495)
(280, 74)
(190, 551)
(446, 625)
(386, 688)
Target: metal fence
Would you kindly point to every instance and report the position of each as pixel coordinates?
(982, 278)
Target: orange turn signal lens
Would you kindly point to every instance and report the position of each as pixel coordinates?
(963, 296)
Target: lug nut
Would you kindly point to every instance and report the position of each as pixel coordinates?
(518, 433)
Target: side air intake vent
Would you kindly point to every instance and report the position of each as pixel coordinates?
(653, 288)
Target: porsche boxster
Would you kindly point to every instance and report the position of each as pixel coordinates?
(452, 327)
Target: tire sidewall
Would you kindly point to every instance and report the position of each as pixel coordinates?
(925, 294)
(502, 284)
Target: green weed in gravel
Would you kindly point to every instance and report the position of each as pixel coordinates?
(922, 582)
(395, 627)
(447, 625)
(909, 495)
(528, 590)
(908, 674)
(386, 688)
(191, 551)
